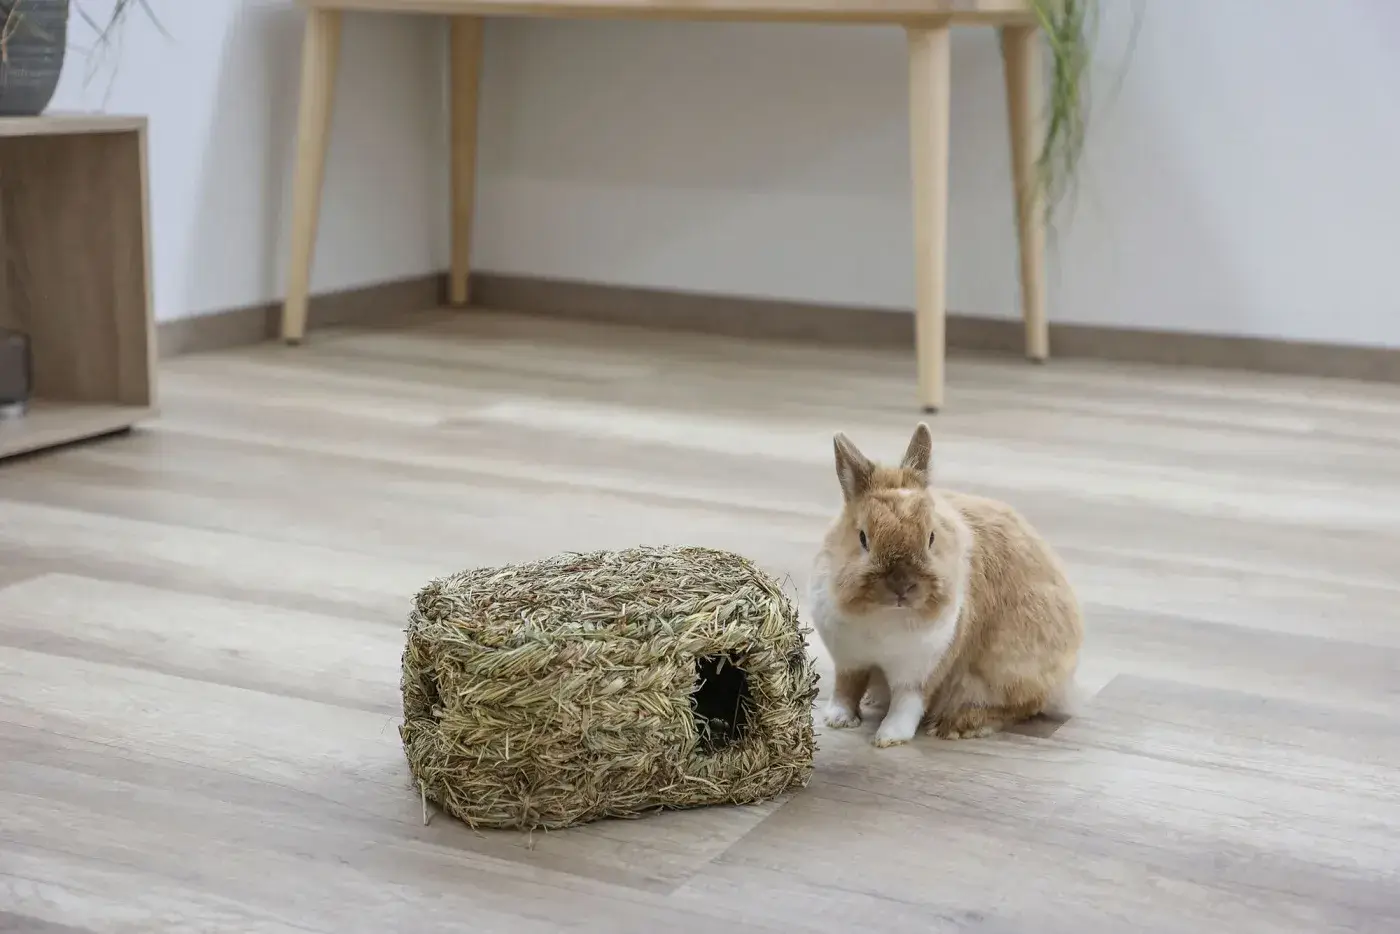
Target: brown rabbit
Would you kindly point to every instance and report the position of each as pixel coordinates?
(946, 607)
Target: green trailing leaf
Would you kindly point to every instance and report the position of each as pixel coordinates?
(1069, 29)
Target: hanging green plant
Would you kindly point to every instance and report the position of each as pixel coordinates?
(1070, 29)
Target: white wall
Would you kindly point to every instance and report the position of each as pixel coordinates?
(221, 97)
(1244, 179)
(1241, 180)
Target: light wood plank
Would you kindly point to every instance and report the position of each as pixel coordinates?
(1160, 845)
(340, 577)
(1318, 742)
(199, 661)
(60, 123)
(962, 12)
(311, 656)
(247, 662)
(344, 881)
(47, 424)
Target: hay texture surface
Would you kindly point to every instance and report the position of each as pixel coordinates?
(610, 684)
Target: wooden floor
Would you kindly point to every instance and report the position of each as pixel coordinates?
(200, 627)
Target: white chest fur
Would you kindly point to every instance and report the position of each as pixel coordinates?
(904, 647)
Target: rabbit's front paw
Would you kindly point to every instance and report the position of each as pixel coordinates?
(840, 716)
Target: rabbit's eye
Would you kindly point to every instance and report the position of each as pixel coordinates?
(864, 542)
(930, 539)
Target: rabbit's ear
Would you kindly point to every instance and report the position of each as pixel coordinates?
(919, 455)
(853, 468)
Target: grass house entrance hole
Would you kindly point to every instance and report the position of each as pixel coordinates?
(721, 702)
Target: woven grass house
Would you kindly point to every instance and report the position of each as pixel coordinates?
(611, 684)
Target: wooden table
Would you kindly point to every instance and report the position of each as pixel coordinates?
(927, 23)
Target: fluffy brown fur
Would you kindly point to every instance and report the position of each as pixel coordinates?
(953, 611)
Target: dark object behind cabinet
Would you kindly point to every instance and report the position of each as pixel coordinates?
(16, 374)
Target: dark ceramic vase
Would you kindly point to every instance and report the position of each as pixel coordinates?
(37, 33)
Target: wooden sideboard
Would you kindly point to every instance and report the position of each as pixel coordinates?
(75, 276)
(927, 24)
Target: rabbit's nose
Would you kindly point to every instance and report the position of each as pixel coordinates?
(901, 584)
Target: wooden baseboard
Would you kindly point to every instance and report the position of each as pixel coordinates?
(370, 304)
(771, 319)
(762, 318)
